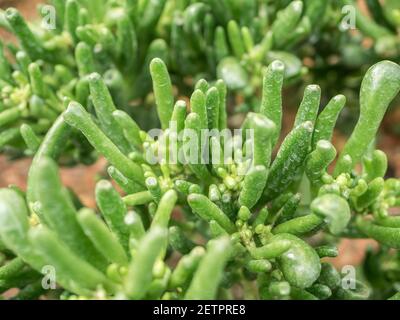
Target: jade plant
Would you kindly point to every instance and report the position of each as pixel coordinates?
(381, 24)
(118, 38)
(350, 39)
(50, 63)
(194, 229)
(379, 28)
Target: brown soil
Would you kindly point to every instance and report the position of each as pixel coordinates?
(26, 7)
(81, 179)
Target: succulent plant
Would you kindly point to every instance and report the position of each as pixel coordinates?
(352, 36)
(118, 38)
(246, 218)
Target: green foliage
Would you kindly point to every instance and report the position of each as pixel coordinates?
(232, 222)
(347, 40)
(231, 40)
